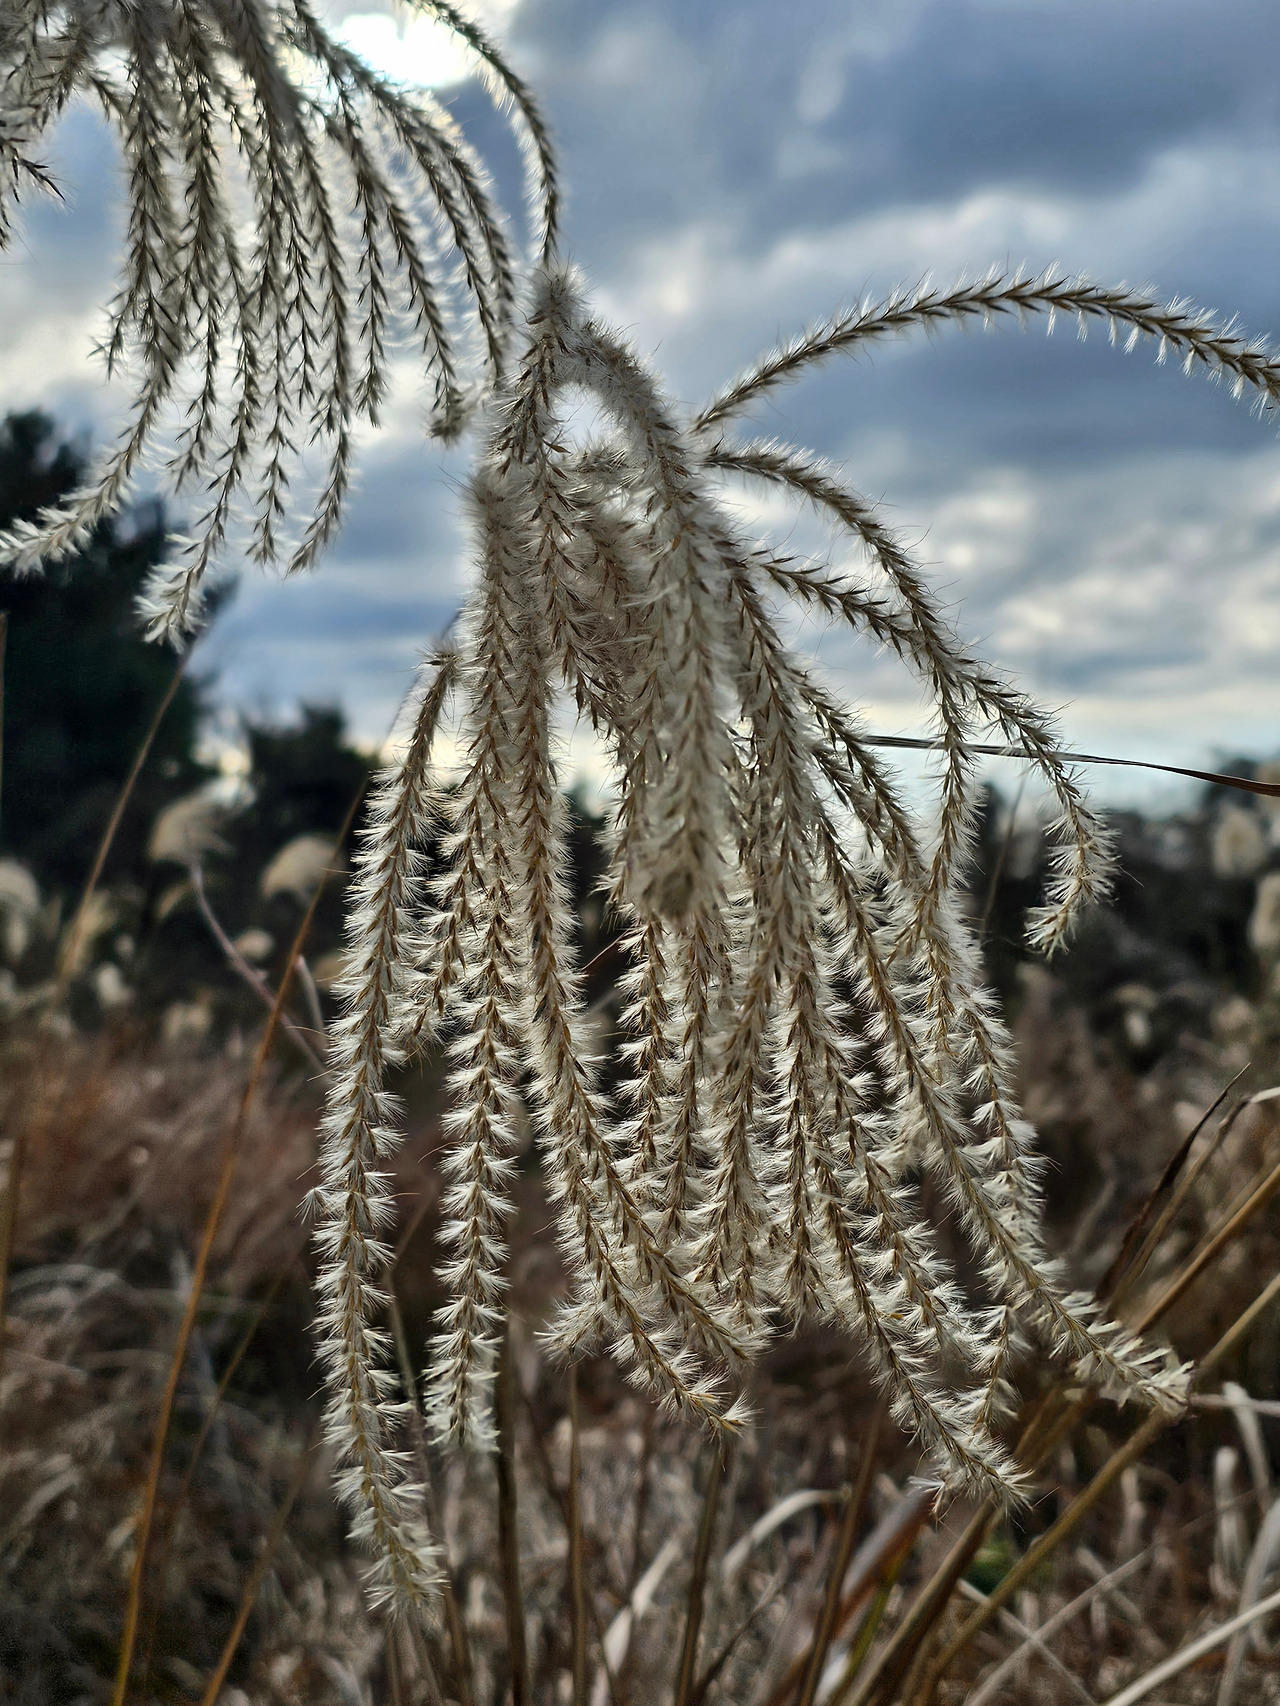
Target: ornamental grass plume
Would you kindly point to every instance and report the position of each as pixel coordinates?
(805, 1035)
(805, 1032)
(290, 216)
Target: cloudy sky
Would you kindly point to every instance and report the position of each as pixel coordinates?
(1105, 528)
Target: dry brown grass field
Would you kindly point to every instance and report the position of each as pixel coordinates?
(630, 1528)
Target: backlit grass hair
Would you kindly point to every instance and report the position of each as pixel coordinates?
(290, 215)
(805, 1029)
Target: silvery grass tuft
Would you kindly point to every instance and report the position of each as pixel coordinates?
(805, 1035)
(291, 217)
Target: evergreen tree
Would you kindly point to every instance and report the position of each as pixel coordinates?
(81, 684)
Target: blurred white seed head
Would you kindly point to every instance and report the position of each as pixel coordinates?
(187, 1021)
(1264, 921)
(172, 896)
(1233, 1019)
(19, 907)
(189, 830)
(110, 987)
(1239, 843)
(298, 868)
(255, 945)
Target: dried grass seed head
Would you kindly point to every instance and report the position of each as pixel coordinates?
(804, 1020)
(290, 217)
(299, 867)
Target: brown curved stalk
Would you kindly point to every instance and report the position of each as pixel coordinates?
(188, 1475)
(66, 964)
(71, 944)
(459, 1645)
(853, 1512)
(1242, 784)
(1212, 1249)
(509, 1525)
(877, 1559)
(243, 970)
(577, 1576)
(213, 1220)
(1149, 1224)
(717, 1468)
(257, 1576)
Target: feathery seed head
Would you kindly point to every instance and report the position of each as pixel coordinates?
(805, 1026)
(243, 348)
(804, 1017)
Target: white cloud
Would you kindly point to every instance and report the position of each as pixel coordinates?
(1143, 600)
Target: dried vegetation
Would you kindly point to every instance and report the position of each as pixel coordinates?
(793, 1108)
(119, 1176)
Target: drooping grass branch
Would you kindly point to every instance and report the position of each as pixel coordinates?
(804, 1021)
(1190, 333)
(242, 356)
(353, 1199)
(805, 1027)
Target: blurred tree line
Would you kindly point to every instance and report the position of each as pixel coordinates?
(1179, 938)
(81, 687)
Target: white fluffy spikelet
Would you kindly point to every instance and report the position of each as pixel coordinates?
(679, 836)
(479, 971)
(243, 351)
(353, 1205)
(1220, 351)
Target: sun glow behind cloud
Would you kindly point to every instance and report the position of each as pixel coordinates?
(417, 50)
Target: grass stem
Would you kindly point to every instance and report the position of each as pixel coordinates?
(695, 1599)
(458, 1643)
(509, 1525)
(200, 1270)
(165, 1540)
(1211, 1249)
(1085, 1500)
(1164, 1200)
(855, 1506)
(867, 1632)
(258, 1574)
(577, 1574)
